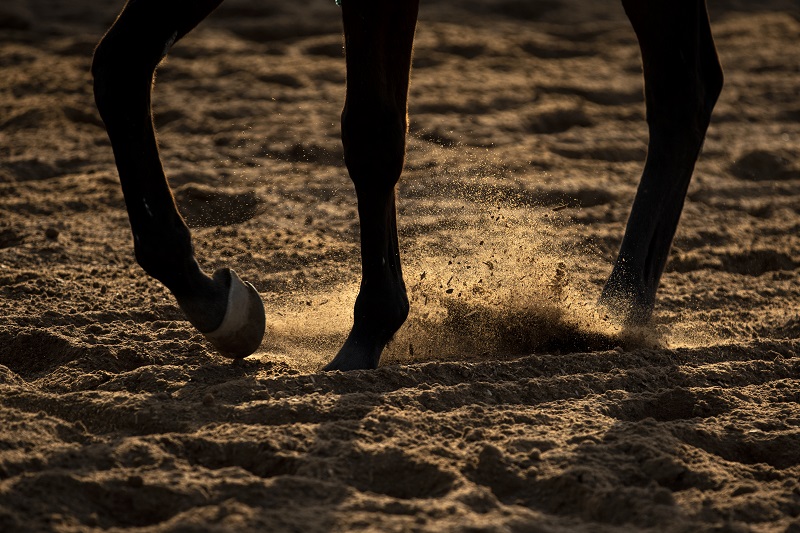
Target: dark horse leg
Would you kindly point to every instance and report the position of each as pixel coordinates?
(226, 310)
(682, 80)
(378, 39)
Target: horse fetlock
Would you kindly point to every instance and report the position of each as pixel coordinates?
(377, 317)
(381, 310)
(169, 260)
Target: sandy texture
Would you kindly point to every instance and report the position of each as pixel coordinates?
(508, 402)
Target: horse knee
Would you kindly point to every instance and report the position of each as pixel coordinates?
(103, 73)
(118, 77)
(712, 78)
(374, 141)
(126, 58)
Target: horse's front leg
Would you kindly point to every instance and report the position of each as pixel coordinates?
(682, 78)
(226, 310)
(378, 41)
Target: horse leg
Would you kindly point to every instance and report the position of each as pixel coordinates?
(226, 310)
(682, 80)
(378, 41)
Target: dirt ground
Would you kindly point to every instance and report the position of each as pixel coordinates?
(508, 402)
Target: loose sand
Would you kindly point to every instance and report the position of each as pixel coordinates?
(508, 402)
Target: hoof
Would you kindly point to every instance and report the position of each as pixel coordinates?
(626, 310)
(242, 328)
(360, 351)
(349, 359)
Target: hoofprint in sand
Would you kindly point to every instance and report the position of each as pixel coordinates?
(508, 402)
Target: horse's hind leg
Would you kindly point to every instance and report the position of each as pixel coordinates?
(228, 312)
(683, 79)
(378, 41)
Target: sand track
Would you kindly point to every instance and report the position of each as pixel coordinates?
(508, 402)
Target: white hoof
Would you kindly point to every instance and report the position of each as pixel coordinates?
(242, 328)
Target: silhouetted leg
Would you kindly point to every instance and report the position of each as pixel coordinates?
(683, 79)
(378, 41)
(227, 311)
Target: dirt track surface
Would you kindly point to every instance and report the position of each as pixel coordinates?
(508, 402)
